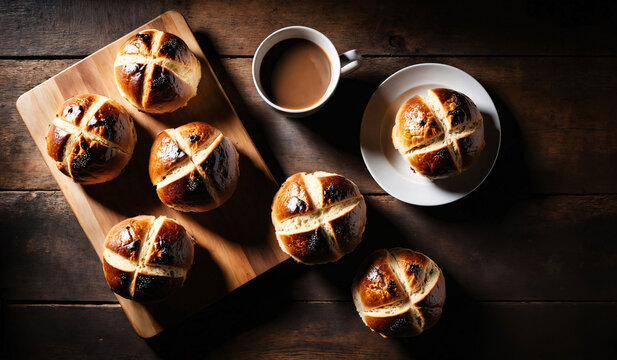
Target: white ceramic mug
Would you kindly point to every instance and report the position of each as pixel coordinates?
(341, 65)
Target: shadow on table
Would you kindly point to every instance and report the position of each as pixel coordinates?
(338, 122)
(130, 199)
(458, 331)
(268, 297)
(260, 301)
(507, 184)
(254, 127)
(455, 333)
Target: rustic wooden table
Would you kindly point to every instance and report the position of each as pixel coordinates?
(529, 257)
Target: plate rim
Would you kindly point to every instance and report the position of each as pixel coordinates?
(364, 121)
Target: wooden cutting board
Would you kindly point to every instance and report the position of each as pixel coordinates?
(236, 242)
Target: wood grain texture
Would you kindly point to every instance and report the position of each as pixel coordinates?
(552, 137)
(549, 66)
(516, 245)
(227, 255)
(20, 155)
(284, 330)
(551, 134)
(388, 27)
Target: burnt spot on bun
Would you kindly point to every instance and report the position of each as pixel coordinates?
(195, 184)
(133, 246)
(73, 113)
(81, 161)
(309, 246)
(107, 123)
(160, 79)
(414, 269)
(174, 48)
(145, 38)
(337, 188)
(391, 287)
(170, 47)
(162, 247)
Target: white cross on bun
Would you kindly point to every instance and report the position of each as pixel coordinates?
(146, 258)
(91, 138)
(194, 167)
(318, 217)
(156, 71)
(399, 292)
(440, 135)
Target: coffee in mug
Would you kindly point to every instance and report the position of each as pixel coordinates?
(295, 73)
(296, 70)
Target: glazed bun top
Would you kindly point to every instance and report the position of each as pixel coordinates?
(440, 135)
(156, 71)
(91, 138)
(194, 167)
(318, 217)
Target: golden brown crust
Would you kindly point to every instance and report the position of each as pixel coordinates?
(221, 168)
(414, 124)
(318, 217)
(210, 175)
(398, 325)
(413, 265)
(173, 48)
(441, 135)
(112, 123)
(56, 140)
(311, 246)
(164, 155)
(419, 304)
(130, 81)
(348, 228)
(197, 135)
(459, 108)
(140, 43)
(91, 139)
(91, 162)
(436, 163)
(156, 71)
(377, 283)
(166, 91)
(119, 281)
(291, 199)
(146, 259)
(127, 237)
(74, 109)
(337, 188)
(187, 193)
(170, 246)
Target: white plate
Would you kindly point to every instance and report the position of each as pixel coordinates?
(390, 169)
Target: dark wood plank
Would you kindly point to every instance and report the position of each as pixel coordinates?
(282, 330)
(46, 255)
(377, 28)
(554, 140)
(21, 162)
(491, 247)
(71, 332)
(496, 246)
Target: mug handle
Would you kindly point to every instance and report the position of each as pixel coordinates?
(351, 60)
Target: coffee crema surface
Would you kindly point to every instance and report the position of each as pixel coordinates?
(295, 73)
